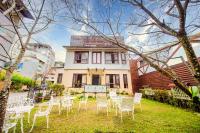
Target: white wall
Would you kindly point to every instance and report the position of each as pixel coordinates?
(69, 63)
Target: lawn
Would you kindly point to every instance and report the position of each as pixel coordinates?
(155, 117)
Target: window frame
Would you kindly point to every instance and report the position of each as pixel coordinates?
(117, 61)
(125, 80)
(124, 61)
(96, 58)
(59, 78)
(81, 84)
(117, 80)
(81, 52)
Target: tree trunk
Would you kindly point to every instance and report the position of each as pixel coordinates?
(3, 104)
(191, 56)
(4, 93)
(170, 75)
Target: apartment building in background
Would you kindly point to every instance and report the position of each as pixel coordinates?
(37, 61)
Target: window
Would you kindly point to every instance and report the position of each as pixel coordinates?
(59, 79)
(81, 57)
(96, 57)
(111, 58)
(112, 80)
(123, 57)
(125, 79)
(79, 80)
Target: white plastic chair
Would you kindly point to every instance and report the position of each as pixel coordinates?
(44, 111)
(137, 99)
(112, 95)
(30, 104)
(10, 121)
(56, 102)
(84, 102)
(67, 103)
(126, 105)
(102, 102)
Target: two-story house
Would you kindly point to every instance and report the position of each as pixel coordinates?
(93, 60)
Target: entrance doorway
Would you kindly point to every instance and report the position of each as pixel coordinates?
(96, 80)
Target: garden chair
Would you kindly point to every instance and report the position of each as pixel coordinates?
(102, 102)
(126, 105)
(137, 100)
(66, 103)
(83, 102)
(10, 121)
(112, 95)
(30, 104)
(44, 111)
(56, 102)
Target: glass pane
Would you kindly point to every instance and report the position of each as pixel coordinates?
(98, 57)
(115, 56)
(108, 56)
(84, 79)
(94, 57)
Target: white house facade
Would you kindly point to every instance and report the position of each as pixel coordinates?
(94, 61)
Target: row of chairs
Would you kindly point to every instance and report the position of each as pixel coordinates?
(45, 108)
(15, 112)
(121, 104)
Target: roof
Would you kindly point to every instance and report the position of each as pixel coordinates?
(93, 42)
(79, 48)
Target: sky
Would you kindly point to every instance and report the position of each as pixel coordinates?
(59, 32)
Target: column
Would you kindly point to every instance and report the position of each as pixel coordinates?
(103, 57)
(90, 57)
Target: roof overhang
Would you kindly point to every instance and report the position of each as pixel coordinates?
(78, 48)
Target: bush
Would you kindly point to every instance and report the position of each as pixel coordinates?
(58, 89)
(18, 81)
(2, 75)
(165, 96)
(38, 97)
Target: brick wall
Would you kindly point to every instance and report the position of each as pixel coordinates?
(156, 80)
(134, 75)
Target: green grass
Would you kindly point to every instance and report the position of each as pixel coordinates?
(155, 118)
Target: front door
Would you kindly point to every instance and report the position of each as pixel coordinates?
(96, 80)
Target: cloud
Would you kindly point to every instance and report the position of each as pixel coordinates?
(139, 39)
(80, 32)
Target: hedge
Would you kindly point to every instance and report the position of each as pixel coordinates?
(17, 80)
(165, 96)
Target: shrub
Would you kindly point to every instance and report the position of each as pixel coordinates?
(2, 75)
(58, 89)
(165, 96)
(18, 81)
(38, 97)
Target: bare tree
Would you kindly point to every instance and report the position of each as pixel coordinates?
(43, 16)
(137, 17)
